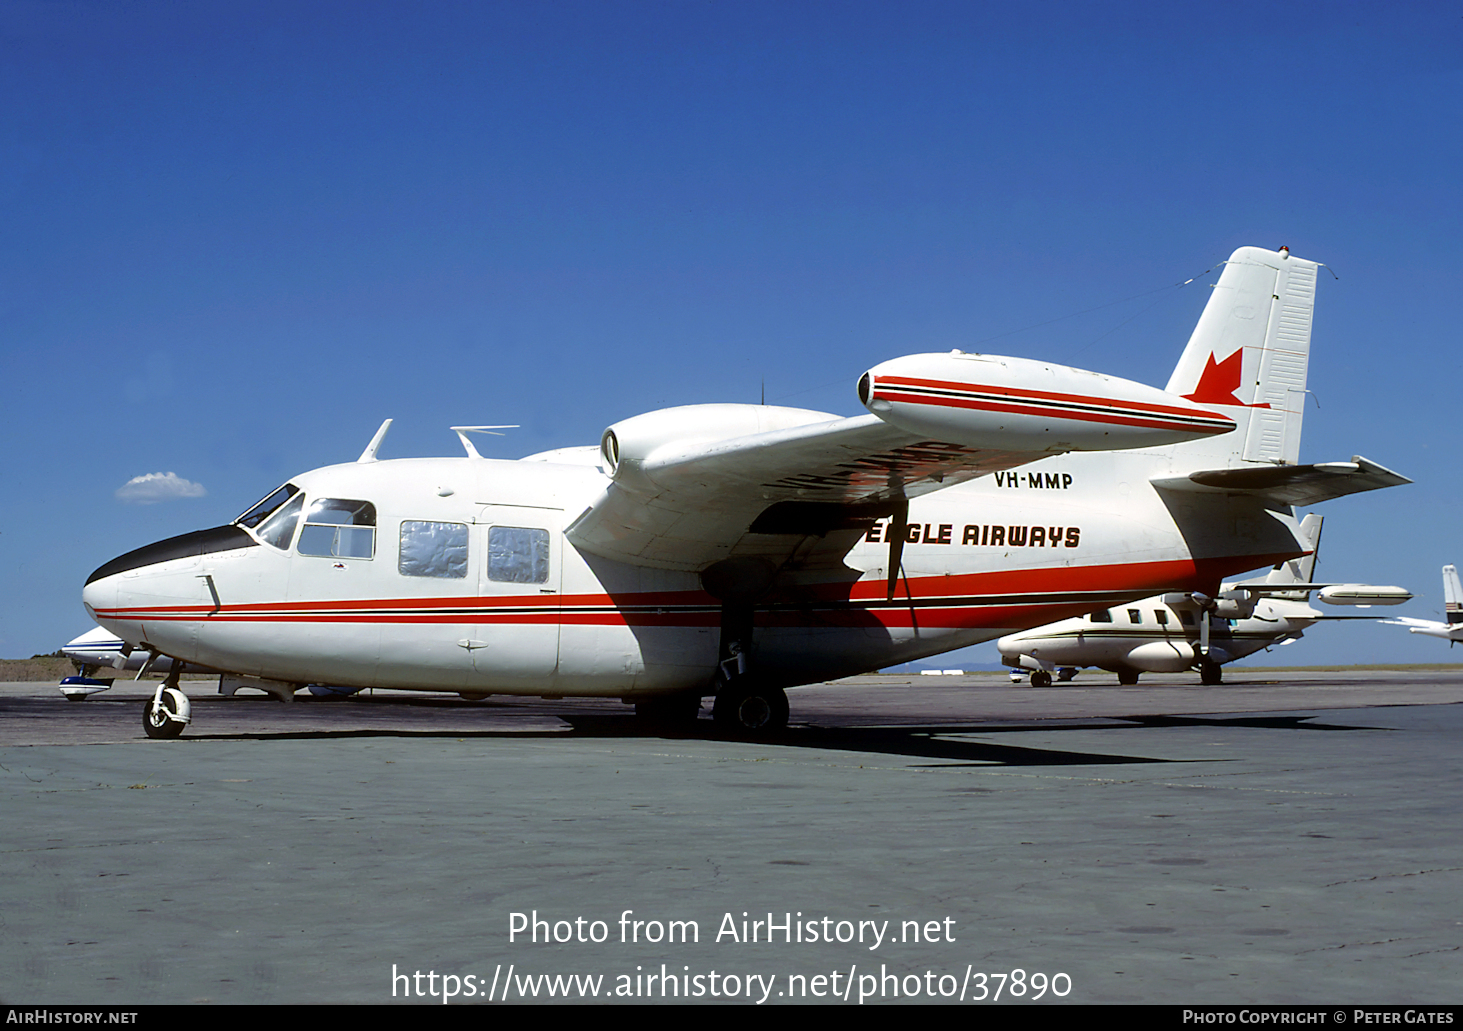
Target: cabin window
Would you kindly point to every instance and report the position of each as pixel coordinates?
(518, 555)
(1161, 616)
(265, 508)
(1101, 616)
(1135, 615)
(1186, 618)
(433, 549)
(335, 528)
(280, 527)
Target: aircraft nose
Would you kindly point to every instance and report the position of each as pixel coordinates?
(137, 596)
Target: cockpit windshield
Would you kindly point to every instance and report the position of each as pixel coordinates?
(262, 511)
(280, 528)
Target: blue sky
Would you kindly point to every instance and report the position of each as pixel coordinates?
(237, 236)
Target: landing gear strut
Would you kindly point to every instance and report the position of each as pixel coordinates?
(745, 704)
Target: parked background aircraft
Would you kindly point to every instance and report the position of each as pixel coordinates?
(101, 651)
(1168, 633)
(1451, 630)
(737, 550)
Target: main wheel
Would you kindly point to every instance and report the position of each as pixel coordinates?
(1041, 678)
(1127, 677)
(157, 720)
(750, 709)
(1210, 672)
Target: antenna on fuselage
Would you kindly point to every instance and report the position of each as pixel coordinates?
(463, 431)
(369, 455)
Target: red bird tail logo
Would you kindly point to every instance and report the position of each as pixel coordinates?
(1219, 381)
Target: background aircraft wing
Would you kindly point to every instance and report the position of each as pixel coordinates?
(801, 495)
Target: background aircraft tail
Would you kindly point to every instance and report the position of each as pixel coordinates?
(1299, 570)
(1452, 595)
(1248, 356)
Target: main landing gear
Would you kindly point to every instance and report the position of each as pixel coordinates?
(168, 712)
(745, 703)
(1210, 672)
(743, 706)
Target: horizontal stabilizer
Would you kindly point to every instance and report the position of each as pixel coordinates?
(1297, 485)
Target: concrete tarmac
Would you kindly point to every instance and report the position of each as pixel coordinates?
(1286, 838)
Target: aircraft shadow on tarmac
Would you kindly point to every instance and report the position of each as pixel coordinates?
(957, 742)
(909, 742)
(951, 744)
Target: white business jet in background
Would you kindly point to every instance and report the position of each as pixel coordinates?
(1170, 633)
(738, 550)
(1452, 629)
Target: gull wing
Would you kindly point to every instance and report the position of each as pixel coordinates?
(803, 493)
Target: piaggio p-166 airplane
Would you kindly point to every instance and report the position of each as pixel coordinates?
(738, 550)
(1169, 633)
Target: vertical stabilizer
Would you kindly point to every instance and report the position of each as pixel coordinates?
(1452, 595)
(1300, 570)
(1249, 353)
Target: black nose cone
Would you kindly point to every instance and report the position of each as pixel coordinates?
(189, 545)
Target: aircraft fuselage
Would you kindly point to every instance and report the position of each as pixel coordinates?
(464, 579)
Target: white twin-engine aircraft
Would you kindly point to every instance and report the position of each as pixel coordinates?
(738, 550)
(1169, 633)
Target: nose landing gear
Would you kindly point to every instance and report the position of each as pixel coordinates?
(168, 712)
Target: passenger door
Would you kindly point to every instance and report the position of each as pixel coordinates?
(515, 638)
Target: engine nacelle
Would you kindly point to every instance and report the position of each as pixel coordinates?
(630, 444)
(1017, 404)
(1234, 604)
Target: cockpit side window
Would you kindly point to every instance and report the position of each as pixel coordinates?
(262, 511)
(280, 527)
(336, 528)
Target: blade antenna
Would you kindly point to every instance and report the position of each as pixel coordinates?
(369, 455)
(463, 431)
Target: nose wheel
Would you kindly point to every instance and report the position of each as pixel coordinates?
(168, 712)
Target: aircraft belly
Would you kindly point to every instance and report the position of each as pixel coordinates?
(805, 655)
(513, 655)
(620, 658)
(1162, 656)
